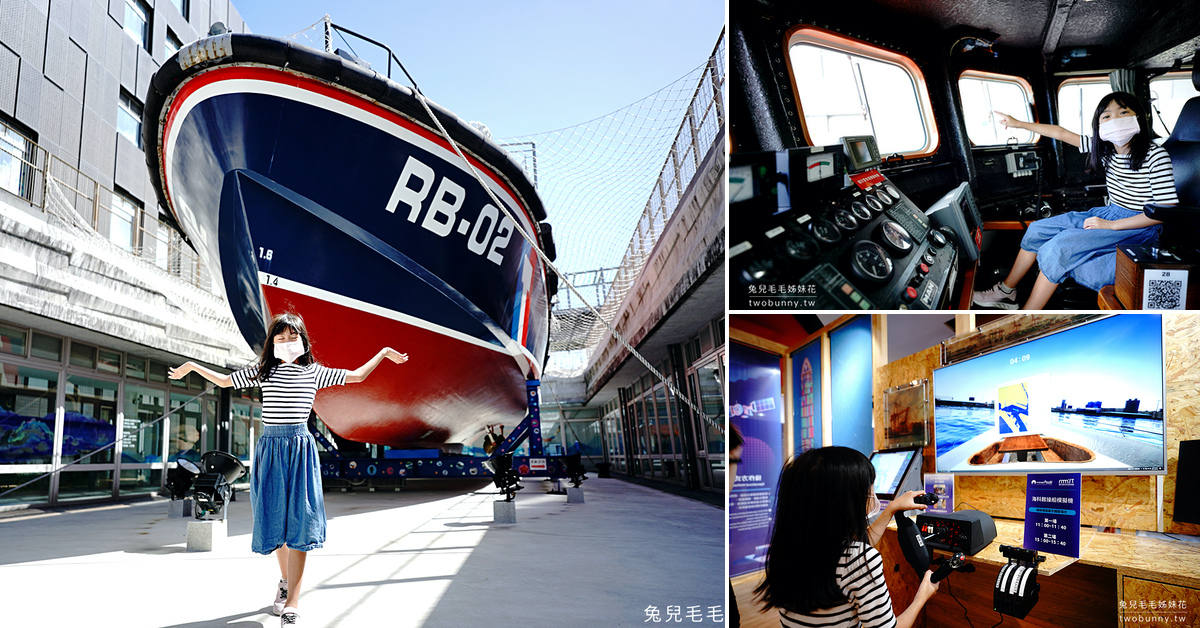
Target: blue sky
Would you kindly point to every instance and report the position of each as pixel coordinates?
(521, 67)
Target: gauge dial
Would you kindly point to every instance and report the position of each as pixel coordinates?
(761, 270)
(892, 191)
(885, 198)
(869, 261)
(801, 247)
(820, 166)
(825, 230)
(845, 220)
(874, 203)
(937, 238)
(895, 237)
(860, 211)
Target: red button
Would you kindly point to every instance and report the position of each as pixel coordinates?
(910, 292)
(924, 269)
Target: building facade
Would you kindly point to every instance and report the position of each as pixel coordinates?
(99, 295)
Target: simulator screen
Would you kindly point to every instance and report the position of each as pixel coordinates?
(1086, 399)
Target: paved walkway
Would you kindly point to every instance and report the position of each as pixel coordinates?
(429, 556)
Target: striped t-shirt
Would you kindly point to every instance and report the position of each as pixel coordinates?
(289, 391)
(1154, 182)
(860, 576)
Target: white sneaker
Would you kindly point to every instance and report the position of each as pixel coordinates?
(281, 593)
(290, 617)
(995, 297)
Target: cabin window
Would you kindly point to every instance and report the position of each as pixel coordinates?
(844, 87)
(1077, 100)
(982, 94)
(1169, 92)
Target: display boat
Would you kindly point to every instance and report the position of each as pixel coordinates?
(309, 183)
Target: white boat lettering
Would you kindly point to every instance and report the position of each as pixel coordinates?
(442, 210)
(265, 253)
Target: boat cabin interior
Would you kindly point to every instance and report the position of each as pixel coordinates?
(870, 167)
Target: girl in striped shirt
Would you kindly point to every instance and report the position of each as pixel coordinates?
(821, 568)
(1083, 245)
(285, 484)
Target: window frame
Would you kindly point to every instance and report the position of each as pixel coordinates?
(129, 104)
(997, 77)
(1173, 75)
(1088, 79)
(819, 37)
(145, 12)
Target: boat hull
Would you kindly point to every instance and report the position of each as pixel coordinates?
(306, 196)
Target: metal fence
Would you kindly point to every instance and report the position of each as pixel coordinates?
(28, 170)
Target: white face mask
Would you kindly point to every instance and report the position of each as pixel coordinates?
(873, 506)
(289, 351)
(1119, 130)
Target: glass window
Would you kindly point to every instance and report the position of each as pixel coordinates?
(27, 398)
(109, 362)
(1170, 92)
(157, 372)
(708, 378)
(74, 485)
(90, 421)
(83, 355)
(184, 441)
(16, 170)
(137, 22)
(121, 220)
(143, 406)
(183, 6)
(210, 420)
(129, 118)
(664, 421)
(844, 92)
(246, 420)
(12, 340)
(1077, 100)
(46, 347)
(37, 492)
(982, 94)
(172, 43)
(135, 367)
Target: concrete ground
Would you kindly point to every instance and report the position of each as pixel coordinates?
(428, 556)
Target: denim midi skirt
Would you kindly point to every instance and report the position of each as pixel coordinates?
(1064, 248)
(285, 491)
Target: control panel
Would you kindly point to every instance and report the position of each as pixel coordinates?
(966, 531)
(861, 246)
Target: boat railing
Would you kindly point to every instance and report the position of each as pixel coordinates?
(43, 179)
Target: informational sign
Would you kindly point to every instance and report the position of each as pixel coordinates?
(755, 408)
(537, 464)
(942, 485)
(1052, 506)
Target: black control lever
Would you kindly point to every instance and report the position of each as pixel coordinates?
(950, 565)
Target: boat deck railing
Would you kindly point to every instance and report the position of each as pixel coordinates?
(49, 183)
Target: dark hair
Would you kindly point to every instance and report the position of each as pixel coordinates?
(1097, 161)
(820, 507)
(267, 360)
(735, 437)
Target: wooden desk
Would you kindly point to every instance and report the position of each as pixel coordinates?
(1083, 593)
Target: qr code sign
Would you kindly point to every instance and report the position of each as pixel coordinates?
(1164, 294)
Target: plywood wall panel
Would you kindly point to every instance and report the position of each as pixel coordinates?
(1183, 405)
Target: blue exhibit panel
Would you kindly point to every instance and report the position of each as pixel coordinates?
(806, 397)
(851, 391)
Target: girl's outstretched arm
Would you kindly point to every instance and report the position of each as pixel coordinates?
(361, 373)
(1049, 130)
(224, 381)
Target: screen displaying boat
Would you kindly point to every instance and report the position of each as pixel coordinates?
(311, 183)
(1086, 399)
